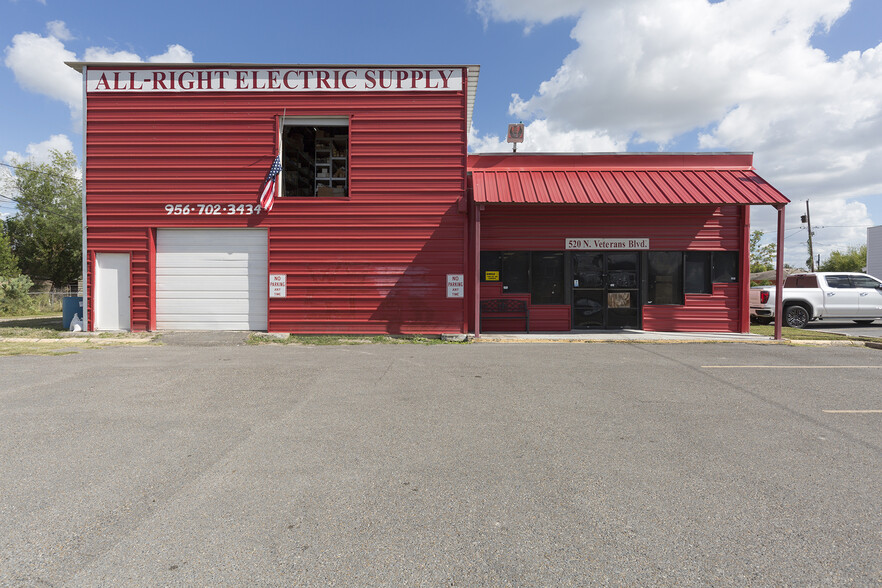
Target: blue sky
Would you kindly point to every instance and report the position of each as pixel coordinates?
(584, 75)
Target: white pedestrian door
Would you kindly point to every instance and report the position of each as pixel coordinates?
(211, 279)
(112, 292)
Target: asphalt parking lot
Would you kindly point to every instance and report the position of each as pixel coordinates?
(453, 465)
(849, 328)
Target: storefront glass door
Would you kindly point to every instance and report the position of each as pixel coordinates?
(606, 290)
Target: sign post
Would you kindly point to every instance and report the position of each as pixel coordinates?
(515, 135)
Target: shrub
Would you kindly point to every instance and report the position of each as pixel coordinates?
(14, 297)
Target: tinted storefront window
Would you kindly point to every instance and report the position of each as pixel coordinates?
(697, 268)
(725, 266)
(665, 277)
(491, 266)
(516, 272)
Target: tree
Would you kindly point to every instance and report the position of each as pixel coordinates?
(762, 257)
(853, 260)
(8, 261)
(46, 231)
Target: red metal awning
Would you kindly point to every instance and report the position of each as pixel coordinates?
(620, 179)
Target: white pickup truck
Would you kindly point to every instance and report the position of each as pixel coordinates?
(818, 296)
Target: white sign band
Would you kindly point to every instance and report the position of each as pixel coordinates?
(274, 80)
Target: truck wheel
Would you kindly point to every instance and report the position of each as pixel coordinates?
(762, 320)
(864, 322)
(796, 316)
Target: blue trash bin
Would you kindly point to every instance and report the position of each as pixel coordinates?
(70, 305)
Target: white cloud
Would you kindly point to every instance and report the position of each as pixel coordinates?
(836, 223)
(173, 54)
(102, 54)
(59, 30)
(38, 64)
(40, 152)
(541, 136)
(528, 11)
(743, 74)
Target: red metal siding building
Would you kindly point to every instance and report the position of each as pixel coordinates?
(371, 258)
(604, 224)
(381, 222)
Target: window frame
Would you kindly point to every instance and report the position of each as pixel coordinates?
(316, 121)
(707, 283)
(498, 260)
(868, 279)
(675, 282)
(734, 277)
(712, 260)
(846, 279)
(506, 286)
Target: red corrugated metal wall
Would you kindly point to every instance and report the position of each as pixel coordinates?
(669, 228)
(375, 262)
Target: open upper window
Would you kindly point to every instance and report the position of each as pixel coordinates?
(315, 156)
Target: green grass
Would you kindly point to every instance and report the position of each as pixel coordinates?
(344, 340)
(32, 327)
(56, 347)
(50, 327)
(805, 334)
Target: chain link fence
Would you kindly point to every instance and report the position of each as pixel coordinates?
(51, 300)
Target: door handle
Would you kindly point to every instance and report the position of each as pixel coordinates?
(831, 293)
(863, 293)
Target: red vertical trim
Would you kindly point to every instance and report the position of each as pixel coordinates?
(464, 199)
(744, 270)
(151, 277)
(91, 285)
(477, 272)
(131, 292)
(466, 266)
(779, 273)
(269, 316)
(468, 258)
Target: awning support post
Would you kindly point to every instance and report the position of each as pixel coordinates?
(477, 261)
(779, 274)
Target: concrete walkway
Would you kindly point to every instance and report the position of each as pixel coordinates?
(621, 335)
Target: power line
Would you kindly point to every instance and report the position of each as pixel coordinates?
(64, 217)
(795, 232)
(843, 226)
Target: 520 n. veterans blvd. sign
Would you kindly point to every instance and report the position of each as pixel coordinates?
(591, 244)
(274, 80)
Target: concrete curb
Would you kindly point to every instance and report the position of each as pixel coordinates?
(661, 341)
(80, 340)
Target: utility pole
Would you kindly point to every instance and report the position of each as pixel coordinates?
(807, 218)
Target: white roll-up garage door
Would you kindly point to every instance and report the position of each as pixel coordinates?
(211, 279)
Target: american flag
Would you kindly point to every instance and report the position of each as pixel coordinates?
(269, 185)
